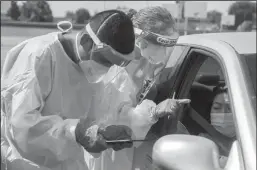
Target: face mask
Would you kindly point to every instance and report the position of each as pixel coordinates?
(223, 122)
(155, 60)
(93, 71)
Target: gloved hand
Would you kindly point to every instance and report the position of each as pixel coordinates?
(117, 132)
(169, 107)
(93, 138)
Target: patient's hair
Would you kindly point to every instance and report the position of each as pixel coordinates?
(220, 89)
(154, 19)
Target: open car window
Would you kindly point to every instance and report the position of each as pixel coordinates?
(210, 99)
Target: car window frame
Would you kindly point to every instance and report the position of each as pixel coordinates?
(174, 70)
(249, 82)
(178, 86)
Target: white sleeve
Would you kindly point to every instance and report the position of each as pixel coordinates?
(23, 93)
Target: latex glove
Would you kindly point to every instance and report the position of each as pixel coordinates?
(117, 132)
(169, 107)
(93, 138)
(87, 136)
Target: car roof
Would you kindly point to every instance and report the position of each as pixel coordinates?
(242, 42)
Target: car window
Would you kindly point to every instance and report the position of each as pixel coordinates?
(173, 63)
(175, 55)
(210, 99)
(168, 76)
(210, 66)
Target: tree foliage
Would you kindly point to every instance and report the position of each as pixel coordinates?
(240, 10)
(82, 16)
(70, 16)
(214, 17)
(37, 11)
(14, 11)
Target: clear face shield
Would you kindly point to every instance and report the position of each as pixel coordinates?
(102, 57)
(157, 47)
(157, 50)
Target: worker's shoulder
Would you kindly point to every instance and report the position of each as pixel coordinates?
(41, 43)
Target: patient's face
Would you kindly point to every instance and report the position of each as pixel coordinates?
(222, 116)
(221, 104)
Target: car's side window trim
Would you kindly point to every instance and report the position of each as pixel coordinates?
(191, 52)
(175, 71)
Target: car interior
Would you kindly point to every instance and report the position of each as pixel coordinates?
(197, 117)
(201, 93)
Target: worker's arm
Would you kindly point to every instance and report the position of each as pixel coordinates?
(26, 84)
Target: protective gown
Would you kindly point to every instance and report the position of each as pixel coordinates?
(44, 93)
(123, 91)
(118, 103)
(117, 100)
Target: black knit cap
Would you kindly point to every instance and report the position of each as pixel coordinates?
(114, 28)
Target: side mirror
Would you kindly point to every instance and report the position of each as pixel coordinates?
(184, 152)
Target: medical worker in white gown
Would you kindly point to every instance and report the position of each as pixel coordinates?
(128, 91)
(47, 86)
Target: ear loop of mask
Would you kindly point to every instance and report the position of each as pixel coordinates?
(64, 22)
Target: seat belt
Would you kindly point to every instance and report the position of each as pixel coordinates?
(217, 137)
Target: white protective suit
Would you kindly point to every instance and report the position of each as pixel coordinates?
(43, 94)
(117, 101)
(119, 105)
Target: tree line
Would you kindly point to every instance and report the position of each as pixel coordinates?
(40, 11)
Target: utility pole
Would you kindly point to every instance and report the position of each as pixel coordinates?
(181, 6)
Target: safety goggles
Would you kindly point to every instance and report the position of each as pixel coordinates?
(166, 41)
(106, 52)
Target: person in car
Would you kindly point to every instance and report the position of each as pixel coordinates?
(222, 119)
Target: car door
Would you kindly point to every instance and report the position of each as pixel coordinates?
(198, 61)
